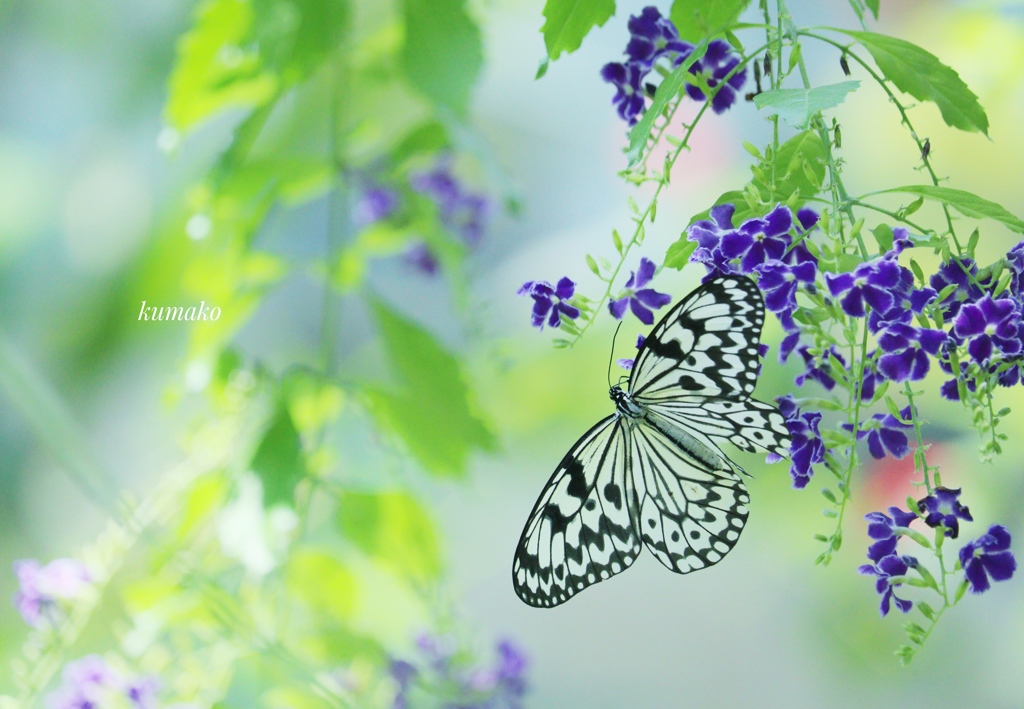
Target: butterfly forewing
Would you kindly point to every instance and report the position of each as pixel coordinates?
(690, 516)
(707, 345)
(583, 528)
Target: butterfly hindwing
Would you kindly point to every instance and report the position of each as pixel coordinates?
(583, 527)
(706, 345)
(691, 516)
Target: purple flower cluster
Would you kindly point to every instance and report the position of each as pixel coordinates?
(462, 212)
(41, 588)
(638, 298)
(653, 37)
(90, 683)
(885, 433)
(771, 247)
(806, 447)
(550, 303)
(988, 557)
(501, 686)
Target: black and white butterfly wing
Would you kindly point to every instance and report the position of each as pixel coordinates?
(583, 528)
(707, 345)
(691, 514)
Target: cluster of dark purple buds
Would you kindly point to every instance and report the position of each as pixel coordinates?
(652, 38)
(982, 560)
(501, 686)
(463, 213)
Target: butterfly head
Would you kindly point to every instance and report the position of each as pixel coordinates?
(624, 403)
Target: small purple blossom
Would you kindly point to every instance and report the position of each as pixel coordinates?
(629, 93)
(376, 203)
(716, 64)
(906, 351)
(886, 531)
(422, 258)
(627, 364)
(988, 556)
(943, 507)
(886, 569)
(639, 299)
(988, 325)
(885, 433)
(41, 587)
(963, 273)
(758, 240)
(1015, 262)
(90, 683)
(806, 447)
(462, 212)
(870, 284)
(653, 36)
(779, 282)
(817, 368)
(550, 302)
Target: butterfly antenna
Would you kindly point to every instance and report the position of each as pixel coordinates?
(611, 355)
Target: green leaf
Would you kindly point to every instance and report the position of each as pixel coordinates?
(243, 53)
(884, 236)
(873, 6)
(322, 582)
(295, 37)
(443, 52)
(393, 529)
(920, 73)
(967, 203)
(430, 409)
(567, 22)
(803, 149)
(667, 91)
(425, 139)
(798, 106)
(212, 72)
(700, 19)
(679, 253)
(278, 460)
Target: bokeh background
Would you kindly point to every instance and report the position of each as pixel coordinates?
(87, 194)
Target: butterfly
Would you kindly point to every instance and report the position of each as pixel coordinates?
(652, 473)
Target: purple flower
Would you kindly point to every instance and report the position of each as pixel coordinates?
(640, 299)
(1015, 262)
(906, 351)
(511, 669)
(885, 433)
(758, 240)
(627, 364)
(817, 368)
(653, 36)
(715, 65)
(375, 204)
(987, 325)
(778, 281)
(549, 302)
(886, 531)
(963, 273)
(629, 94)
(886, 569)
(90, 683)
(40, 587)
(403, 673)
(870, 284)
(988, 556)
(421, 257)
(806, 447)
(943, 507)
(461, 212)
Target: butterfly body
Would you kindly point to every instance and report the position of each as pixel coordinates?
(652, 473)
